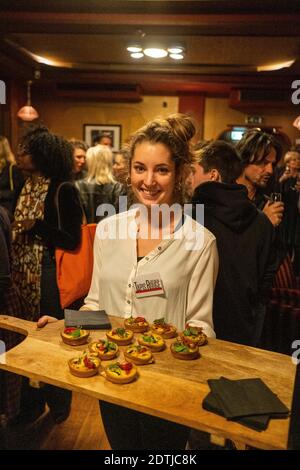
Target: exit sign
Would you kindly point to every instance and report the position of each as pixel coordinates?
(254, 120)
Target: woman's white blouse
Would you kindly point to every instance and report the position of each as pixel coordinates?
(187, 262)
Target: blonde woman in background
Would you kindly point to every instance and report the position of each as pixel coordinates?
(100, 186)
(11, 178)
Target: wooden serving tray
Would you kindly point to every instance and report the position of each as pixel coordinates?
(169, 388)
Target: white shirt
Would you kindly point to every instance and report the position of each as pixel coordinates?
(188, 275)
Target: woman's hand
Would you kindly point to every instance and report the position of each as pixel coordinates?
(44, 320)
(23, 225)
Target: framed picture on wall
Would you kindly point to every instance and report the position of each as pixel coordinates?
(93, 132)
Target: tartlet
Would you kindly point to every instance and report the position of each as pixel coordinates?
(163, 329)
(105, 349)
(139, 354)
(74, 336)
(137, 324)
(194, 335)
(86, 365)
(120, 336)
(184, 351)
(120, 373)
(152, 341)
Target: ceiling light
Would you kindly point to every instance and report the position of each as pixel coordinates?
(155, 52)
(175, 50)
(134, 48)
(137, 51)
(176, 56)
(27, 112)
(136, 55)
(278, 66)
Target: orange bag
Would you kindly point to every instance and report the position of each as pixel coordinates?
(74, 269)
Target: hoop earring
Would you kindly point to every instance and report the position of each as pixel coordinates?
(128, 181)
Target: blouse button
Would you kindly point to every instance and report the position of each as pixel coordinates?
(159, 248)
(129, 285)
(147, 259)
(128, 301)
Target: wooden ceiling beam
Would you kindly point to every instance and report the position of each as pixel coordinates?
(22, 17)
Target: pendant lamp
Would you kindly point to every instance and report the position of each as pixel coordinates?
(296, 123)
(28, 113)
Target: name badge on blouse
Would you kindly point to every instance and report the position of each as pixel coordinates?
(146, 285)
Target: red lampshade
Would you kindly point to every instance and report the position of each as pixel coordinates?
(296, 123)
(27, 112)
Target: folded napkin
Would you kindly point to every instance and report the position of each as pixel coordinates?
(89, 319)
(248, 401)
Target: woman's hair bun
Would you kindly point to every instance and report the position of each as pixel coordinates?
(182, 125)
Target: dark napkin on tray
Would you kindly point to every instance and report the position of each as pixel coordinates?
(89, 319)
(256, 422)
(248, 401)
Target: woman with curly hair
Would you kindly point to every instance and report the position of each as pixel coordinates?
(48, 214)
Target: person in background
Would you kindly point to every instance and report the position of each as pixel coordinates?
(245, 239)
(260, 153)
(99, 186)
(10, 304)
(289, 187)
(120, 163)
(79, 156)
(103, 139)
(48, 215)
(11, 178)
(182, 251)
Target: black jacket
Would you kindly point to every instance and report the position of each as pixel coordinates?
(68, 236)
(244, 238)
(94, 194)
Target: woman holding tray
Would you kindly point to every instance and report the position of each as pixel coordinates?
(156, 239)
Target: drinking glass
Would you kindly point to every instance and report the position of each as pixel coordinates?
(275, 197)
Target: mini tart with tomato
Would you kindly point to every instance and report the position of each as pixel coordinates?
(152, 341)
(185, 351)
(74, 336)
(121, 373)
(85, 365)
(120, 336)
(163, 329)
(194, 335)
(106, 350)
(137, 324)
(138, 354)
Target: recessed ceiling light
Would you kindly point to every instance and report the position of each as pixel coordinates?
(176, 56)
(155, 52)
(137, 55)
(175, 50)
(134, 48)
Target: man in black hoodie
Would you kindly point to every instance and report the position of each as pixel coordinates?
(244, 239)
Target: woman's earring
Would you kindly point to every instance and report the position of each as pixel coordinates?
(128, 181)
